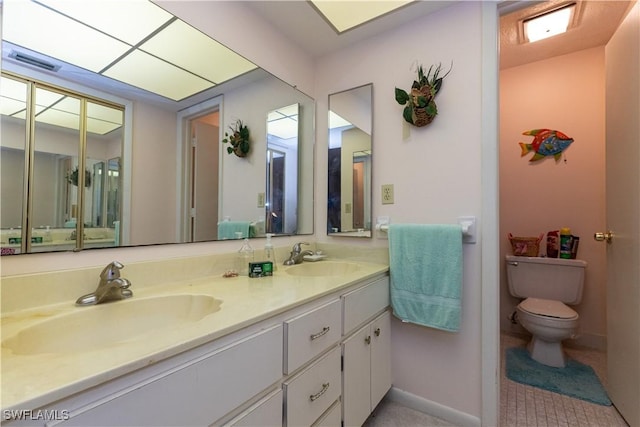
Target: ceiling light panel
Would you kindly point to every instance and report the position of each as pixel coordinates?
(120, 19)
(42, 30)
(549, 25)
(344, 15)
(147, 72)
(188, 48)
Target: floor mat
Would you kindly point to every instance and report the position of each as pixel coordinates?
(576, 379)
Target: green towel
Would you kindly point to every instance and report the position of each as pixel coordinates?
(227, 229)
(425, 261)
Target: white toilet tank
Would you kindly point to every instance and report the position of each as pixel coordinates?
(548, 278)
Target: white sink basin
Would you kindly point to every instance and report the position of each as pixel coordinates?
(322, 268)
(95, 327)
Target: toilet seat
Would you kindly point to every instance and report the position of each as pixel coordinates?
(548, 308)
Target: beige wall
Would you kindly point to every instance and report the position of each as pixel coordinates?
(565, 93)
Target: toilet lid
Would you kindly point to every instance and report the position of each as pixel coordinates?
(550, 308)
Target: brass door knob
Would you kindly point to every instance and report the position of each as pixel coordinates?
(604, 237)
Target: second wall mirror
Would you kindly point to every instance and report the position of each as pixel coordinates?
(349, 162)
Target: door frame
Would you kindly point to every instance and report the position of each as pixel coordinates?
(183, 149)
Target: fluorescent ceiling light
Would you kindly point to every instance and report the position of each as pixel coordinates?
(549, 24)
(42, 30)
(344, 15)
(133, 41)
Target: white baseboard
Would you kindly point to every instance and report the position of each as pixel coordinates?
(432, 408)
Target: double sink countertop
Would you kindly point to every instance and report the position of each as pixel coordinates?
(99, 343)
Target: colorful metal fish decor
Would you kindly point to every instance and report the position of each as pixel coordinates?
(546, 142)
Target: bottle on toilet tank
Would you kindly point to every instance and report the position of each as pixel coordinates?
(566, 242)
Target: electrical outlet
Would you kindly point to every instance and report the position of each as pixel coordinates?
(387, 194)
(261, 200)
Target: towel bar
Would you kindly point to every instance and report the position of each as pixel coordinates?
(468, 224)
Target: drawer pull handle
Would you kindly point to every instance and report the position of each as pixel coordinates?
(316, 396)
(377, 332)
(321, 333)
(368, 339)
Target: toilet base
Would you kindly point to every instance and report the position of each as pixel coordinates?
(547, 353)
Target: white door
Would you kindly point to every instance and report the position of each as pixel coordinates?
(623, 217)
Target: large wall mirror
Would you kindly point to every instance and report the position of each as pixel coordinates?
(142, 173)
(349, 168)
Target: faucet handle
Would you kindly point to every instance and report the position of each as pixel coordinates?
(297, 247)
(111, 271)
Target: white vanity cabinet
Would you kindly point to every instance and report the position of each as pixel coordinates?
(308, 365)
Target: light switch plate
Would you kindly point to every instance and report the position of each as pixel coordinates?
(261, 200)
(387, 194)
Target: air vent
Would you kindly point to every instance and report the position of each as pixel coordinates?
(36, 62)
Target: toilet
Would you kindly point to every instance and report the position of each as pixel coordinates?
(546, 286)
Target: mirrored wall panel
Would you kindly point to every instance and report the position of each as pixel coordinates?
(48, 137)
(142, 187)
(349, 168)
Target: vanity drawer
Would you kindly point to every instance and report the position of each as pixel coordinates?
(310, 393)
(363, 303)
(331, 418)
(309, 334)
(266, 413)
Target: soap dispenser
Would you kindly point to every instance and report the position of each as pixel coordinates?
(243, 258)
(269, 251)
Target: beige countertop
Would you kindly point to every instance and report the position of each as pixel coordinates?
(33, 380)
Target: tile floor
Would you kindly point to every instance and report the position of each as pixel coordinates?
(520, 405)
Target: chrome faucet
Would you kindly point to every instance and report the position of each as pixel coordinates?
(112, 287)
(297, 254)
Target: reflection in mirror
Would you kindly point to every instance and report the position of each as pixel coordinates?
(151, 207)
(69, 134)
(349, 167)
(282, 170)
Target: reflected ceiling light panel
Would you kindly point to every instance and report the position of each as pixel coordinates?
(12, 96)
(344, 15)
(24, 24)
(134, 69)
(283, 122)
(188, 48)
(549, 24)
(102, 112)
(117, 18)
(335, 121)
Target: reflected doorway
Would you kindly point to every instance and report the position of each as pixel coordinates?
(204, 157)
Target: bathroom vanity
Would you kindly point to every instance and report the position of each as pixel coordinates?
(307, 346)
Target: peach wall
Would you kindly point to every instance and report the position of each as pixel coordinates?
(564, 93)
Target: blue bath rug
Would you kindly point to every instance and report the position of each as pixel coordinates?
(576, 379)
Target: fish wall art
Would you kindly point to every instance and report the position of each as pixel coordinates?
(546, 142)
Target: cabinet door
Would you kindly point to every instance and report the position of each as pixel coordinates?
(356, 377)
(380, 358)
